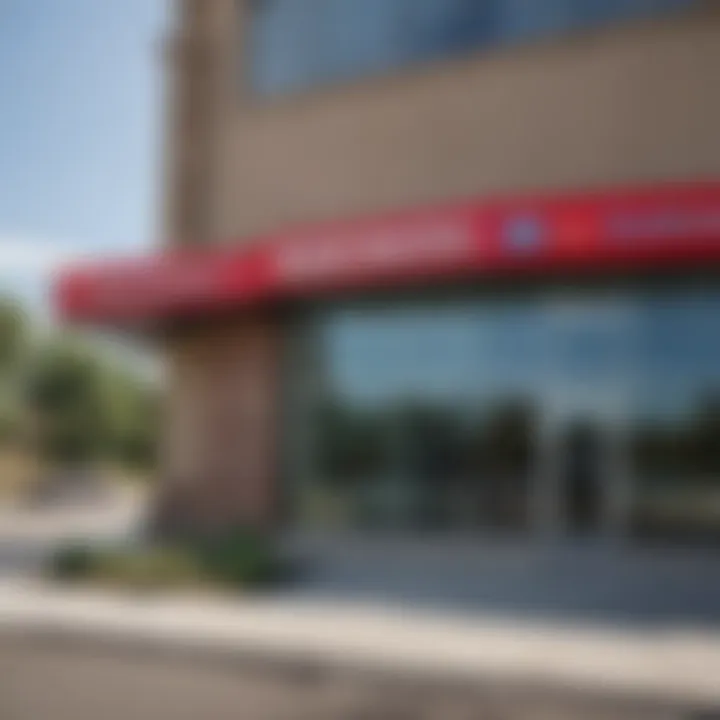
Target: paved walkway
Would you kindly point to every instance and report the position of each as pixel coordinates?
(113, 517)
(665, 666)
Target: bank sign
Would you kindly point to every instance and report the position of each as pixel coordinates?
(639, 229)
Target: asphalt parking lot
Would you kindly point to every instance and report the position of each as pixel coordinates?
(49, 680)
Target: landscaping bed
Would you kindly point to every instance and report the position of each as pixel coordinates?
(237, 560)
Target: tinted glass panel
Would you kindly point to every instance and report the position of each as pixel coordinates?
(440, 416)
(295, 44)
(676, 436)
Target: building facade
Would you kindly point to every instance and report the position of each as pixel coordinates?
(438, 266)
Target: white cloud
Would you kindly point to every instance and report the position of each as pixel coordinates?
(32, 258)
(28, 268)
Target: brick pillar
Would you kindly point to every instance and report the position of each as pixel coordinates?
(221, 448)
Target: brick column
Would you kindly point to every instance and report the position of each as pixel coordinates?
(221, 449)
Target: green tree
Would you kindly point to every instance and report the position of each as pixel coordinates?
(72, 403)
(65, 394)
(133, 409)
(13, 351)
(87, 409)
(13, 336)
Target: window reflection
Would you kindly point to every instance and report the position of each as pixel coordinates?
(435, 417)
(502, 452)
(426, 420)
(295, 44)
(675, 443)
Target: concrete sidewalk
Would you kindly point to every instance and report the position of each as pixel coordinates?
(673, 666)
(117, 516)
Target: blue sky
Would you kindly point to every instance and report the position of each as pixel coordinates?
(80, 124)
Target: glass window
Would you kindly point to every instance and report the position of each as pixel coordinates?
(462, 415)
(295, 44)
(676, 435)
(417, 423)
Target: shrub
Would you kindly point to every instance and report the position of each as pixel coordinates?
(73, 562)
(238, 560)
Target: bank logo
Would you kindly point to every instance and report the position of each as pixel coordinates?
(524, 233)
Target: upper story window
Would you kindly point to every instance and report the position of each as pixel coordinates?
(297, 44)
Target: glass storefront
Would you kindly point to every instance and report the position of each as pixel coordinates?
(592, 413)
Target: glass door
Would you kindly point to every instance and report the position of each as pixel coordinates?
(584, 483)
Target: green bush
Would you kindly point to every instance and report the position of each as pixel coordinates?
(239, 560)
(73, 562)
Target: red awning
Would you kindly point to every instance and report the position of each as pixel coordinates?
(638, 228)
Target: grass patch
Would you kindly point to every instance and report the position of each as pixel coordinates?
(241, 560)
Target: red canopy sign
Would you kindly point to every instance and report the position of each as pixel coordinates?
(641, 228)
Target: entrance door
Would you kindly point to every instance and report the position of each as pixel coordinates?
(584, 484)
(583, 447)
